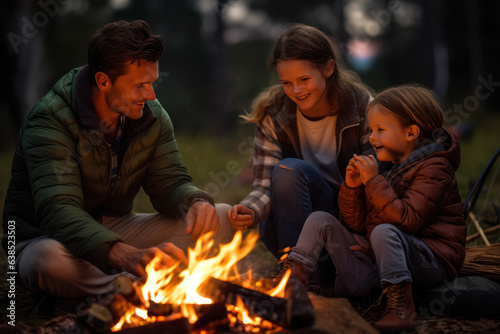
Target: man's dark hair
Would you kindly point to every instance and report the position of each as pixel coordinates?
(119, 43)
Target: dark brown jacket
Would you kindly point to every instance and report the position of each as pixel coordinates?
(423, 200)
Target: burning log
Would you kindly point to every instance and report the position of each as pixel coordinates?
(207, 313)
(130, 290)
(155, 309)
(265, 306)
(300, 311)
(234, 306)
(103, 316)
(292, 312)
(98, 317)
(175, 324)
(211, 316)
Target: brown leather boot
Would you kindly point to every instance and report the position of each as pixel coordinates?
(297, 271)
(400, 312)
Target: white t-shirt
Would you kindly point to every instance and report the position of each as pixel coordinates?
(319, 145)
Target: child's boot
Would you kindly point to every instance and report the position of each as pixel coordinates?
(297, 271)
(400, 312)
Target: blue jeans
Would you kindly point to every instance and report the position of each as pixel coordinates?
(400, 257)
(297, 189)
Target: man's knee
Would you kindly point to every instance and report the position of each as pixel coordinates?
(51, 259)
(43, 261)
(226, 230)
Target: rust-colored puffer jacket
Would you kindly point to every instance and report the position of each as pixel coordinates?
(424, 200)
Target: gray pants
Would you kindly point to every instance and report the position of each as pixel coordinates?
(45, 265)
(401, 257)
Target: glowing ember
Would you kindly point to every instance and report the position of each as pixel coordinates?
(165, 286)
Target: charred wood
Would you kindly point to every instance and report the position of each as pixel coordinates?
(175, 325)
(98, 317)
(267, 307)
(130, 290)
(300, 311)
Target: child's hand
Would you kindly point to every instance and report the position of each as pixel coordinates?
(352, 178)
(366, 165)
(363, 247)
(241, 217)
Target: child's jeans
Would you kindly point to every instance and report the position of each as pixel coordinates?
(401, 257)
(297, 189)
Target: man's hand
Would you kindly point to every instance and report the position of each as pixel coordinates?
(366, 165)
(134, 260)
(241, 217)
(201, 218)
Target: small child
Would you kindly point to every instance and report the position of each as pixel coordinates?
(400, 228)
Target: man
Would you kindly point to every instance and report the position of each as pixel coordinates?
(86, 149)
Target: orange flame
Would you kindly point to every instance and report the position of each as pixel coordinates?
(164, 286)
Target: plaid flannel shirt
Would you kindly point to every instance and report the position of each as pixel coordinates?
(277, 137)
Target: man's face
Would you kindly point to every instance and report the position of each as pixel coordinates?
(130, 91)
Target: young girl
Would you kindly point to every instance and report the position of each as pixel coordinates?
(308, 127)
(402, 228)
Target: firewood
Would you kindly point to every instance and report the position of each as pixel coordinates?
(267, 307)
(211, 316)
(98, 317)
(130, 290)
(118, 306)
(300, 311)
(292, 312)
(156, 309)
(174, 324)
(207, 313)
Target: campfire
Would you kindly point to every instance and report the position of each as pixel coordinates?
(207, 296)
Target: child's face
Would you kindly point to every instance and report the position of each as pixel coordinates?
(305, 85)
(391, 141)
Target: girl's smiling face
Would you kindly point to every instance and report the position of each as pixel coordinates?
(391, 141)
(305, 85)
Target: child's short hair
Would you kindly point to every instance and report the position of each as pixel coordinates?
(413, 104)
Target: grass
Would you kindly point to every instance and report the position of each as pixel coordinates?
(222, 167)
(477, 151)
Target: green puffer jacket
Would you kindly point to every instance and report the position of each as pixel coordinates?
(61, 169)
